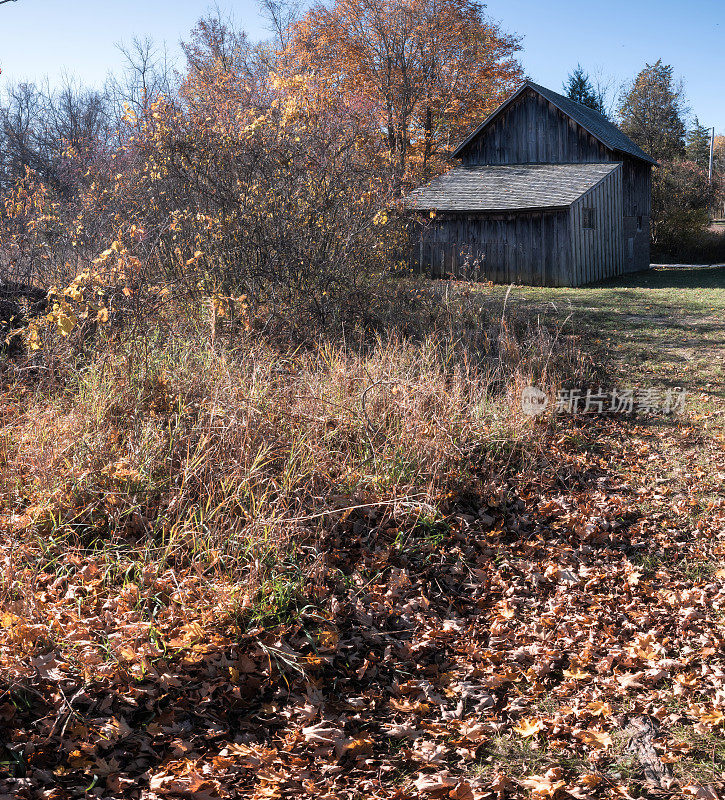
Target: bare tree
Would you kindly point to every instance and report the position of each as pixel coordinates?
(217, 36)
(607, 89)
(39, 127)
(146, 75)
(281, 16)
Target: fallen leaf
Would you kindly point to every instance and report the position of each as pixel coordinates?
(529, 727)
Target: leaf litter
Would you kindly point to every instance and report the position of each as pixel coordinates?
(498, 652)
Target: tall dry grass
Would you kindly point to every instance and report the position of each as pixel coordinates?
(167, 456)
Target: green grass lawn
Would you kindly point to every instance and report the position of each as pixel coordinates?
(664, 327)
(660, 328)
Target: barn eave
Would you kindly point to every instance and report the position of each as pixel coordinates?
(509, 189)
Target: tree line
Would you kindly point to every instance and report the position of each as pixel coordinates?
(261, 178)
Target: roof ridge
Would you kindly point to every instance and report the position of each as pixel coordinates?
(539, 87)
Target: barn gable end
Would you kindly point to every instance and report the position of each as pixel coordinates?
(596, 232)
(531, 130)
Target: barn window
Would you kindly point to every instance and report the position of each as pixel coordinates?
(588, 219)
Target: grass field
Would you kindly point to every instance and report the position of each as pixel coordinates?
(661, 327)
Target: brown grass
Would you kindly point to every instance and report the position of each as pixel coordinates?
(228, 462)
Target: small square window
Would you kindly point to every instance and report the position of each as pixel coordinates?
(588, 218)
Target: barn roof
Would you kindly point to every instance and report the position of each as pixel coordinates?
(510, 188)
(594, 122)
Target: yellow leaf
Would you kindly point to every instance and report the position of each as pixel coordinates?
(598, 709)
(33, 338)
(711, 716)
(543, 785)
(529, 726)
(355, 746)
(599, 740)
(66, 323)
(188, 634)
(102, 315)
(688, 681)
(576, 673)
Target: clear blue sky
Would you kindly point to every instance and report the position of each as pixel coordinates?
(48, 37)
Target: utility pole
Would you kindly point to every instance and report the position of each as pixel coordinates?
(712, 152)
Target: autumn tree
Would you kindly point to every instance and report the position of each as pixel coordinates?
(681, 200)
(578, 88)
(429, 70)
(719, 171)
(719, 155)
(652, 112)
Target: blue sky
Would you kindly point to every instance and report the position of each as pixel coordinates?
(48, 37)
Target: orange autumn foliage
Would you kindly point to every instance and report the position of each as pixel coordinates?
(428, 70)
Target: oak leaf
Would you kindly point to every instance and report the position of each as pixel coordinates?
(354, 746)
(599, 709)
(599, 740)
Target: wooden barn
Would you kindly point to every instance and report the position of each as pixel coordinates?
(548, 192)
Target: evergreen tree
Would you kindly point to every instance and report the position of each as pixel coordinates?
(697, 148)
(651, 112)
(579, 88)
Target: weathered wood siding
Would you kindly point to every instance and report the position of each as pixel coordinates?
(550, 248)
(596, 253)
(534, 131)
(637, 187)
(637, 192)
(531, 248)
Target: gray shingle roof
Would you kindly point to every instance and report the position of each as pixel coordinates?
(594, 122)
(507, 188)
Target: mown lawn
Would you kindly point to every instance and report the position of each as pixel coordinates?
(664, 327)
